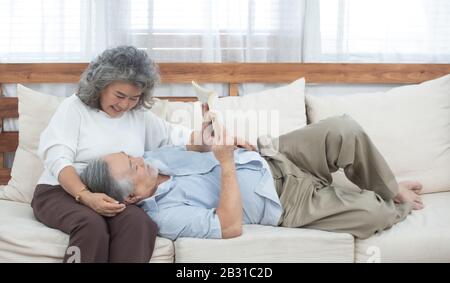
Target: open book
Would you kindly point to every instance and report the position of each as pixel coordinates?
(209, 99)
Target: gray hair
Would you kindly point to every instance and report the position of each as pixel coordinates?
(97, 177)
(124, 63)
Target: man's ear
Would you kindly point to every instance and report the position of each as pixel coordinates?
(131, 199)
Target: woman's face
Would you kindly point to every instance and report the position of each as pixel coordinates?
(119, 97)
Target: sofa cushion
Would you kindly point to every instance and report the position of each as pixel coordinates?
(24, 239)
(269, 244)
(409, 125)
(424, 236)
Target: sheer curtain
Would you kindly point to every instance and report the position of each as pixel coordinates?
(381, 31)
(218, 31)
(170, 30)
(225, 31)
(228, 30)
(369, 31)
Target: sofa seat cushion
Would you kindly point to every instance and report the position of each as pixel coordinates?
(269, 244)
(424, 236)
(24, 239)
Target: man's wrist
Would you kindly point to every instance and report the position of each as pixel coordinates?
(227, 163)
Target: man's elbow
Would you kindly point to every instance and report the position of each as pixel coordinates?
(232, 232)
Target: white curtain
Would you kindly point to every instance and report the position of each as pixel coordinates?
(377, 31)
(225, 31)
(228, 30)
(171, 30)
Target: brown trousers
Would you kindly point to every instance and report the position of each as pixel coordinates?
(127, 237)
(302, 162)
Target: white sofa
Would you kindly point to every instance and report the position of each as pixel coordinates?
(423, 237)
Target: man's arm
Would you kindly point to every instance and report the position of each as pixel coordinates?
(202, 140)
(229, 209)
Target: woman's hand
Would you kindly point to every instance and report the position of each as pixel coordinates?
(102, 203)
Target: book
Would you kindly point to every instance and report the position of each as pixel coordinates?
(209, 99)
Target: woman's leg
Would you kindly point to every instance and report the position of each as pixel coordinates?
(132, 236)
(87, 229)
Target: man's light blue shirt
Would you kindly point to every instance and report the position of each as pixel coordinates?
(185, 205)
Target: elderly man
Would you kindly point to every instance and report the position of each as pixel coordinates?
(286, 183)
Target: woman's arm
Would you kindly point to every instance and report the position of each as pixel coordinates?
(101, 203)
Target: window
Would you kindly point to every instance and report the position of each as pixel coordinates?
(179, 29)
(410, 29)
(228, 30)
(29, 29)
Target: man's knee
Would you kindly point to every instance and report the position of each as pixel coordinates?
(345, 126)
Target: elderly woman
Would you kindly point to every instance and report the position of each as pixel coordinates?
(109, 113)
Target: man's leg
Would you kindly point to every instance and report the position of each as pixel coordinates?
(339, 142)
(87, 229)
(361, 214)
(133, 236)
(303, 164)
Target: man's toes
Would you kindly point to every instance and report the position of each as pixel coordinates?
(417, 206)
(416, 186)
(417, 190)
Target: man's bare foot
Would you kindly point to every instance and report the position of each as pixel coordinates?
(408, 191)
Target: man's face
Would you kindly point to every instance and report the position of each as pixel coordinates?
(135, 169)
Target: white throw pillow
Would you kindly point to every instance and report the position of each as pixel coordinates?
(271, 112)
(35, 111)
(410, 125)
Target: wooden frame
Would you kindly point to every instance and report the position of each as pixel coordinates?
(230, 73)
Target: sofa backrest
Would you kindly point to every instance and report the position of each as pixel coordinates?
(232, 74)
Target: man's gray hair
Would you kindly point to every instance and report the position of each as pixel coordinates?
(125, 64)
(97, 177)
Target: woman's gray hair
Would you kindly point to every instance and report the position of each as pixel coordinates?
(125, 64)
(97, 177)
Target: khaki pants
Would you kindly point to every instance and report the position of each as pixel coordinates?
(302, 162)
